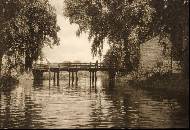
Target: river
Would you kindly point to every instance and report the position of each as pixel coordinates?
(31, 105)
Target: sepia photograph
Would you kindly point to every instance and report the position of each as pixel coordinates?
(93, 64)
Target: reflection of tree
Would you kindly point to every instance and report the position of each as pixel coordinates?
(141, 108)
(120, 115)
(38, 82)
(12, 117)
(31, 114)
(96, 114)
(177, 106)
(114, 115)
(7, 111)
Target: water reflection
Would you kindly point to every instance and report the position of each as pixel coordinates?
(38, 105)
(17, 110)
(142, 109)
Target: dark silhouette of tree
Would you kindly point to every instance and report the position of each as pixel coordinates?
(171, 21)
(114, 57)
(26, 26)
(130, 23)
(122, 22)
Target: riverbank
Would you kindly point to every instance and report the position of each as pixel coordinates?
(175, 85)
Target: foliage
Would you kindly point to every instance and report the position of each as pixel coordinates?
(113, 57)
(122, 22)
(171, 21)
(26, 26)
(157, 73)
(129, 23)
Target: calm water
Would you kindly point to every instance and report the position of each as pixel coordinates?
(44, 106)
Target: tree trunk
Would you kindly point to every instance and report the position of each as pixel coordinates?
(186, 62)
(1, 63)
(127, 62)
(131, 60)
(28, 63)
(186, 49)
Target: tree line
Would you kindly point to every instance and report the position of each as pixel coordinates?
(26, 26)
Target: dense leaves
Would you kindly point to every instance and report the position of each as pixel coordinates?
(114, 57)
(122, 22)
(26, 26)
(171, 21)
(129, 23)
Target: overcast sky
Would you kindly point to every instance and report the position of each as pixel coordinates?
(71, 47)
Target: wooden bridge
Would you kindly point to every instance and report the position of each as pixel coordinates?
(73, 69)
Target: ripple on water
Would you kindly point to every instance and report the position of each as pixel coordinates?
(44, 106)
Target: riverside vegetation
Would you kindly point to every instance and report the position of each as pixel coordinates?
(125, 24)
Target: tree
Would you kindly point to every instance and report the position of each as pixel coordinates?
(114, 56)
(130, 23)
(26, 26)
(122, 22)
(171, 21)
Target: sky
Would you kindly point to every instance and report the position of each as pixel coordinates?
(71, 48)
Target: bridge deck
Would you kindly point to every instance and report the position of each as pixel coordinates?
(75, 67)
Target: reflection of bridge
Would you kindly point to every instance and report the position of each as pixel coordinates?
(73, 68)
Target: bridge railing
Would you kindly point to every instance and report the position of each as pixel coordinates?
(79, 65)
(72, 65)
(40, 66)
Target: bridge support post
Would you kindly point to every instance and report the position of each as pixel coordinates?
(49, 77)
(95, 78)
(58, 78)
(72, 77)
(90, 78)
(69, 77)
(76, 77)
(54, 78)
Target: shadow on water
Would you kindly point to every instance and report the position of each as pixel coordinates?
(38, 83)
(137, 108)
(17, 110)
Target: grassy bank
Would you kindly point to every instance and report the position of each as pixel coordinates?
(173, 84)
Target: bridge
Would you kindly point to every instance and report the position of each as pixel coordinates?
(73, 69)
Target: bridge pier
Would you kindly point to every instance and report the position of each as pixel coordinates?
(93, 77)
(73, 69)
(69, 78)
(58, 78)
(54, 78)
(73, 79)
(49, 77)
(90, 78)
(76, 81)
